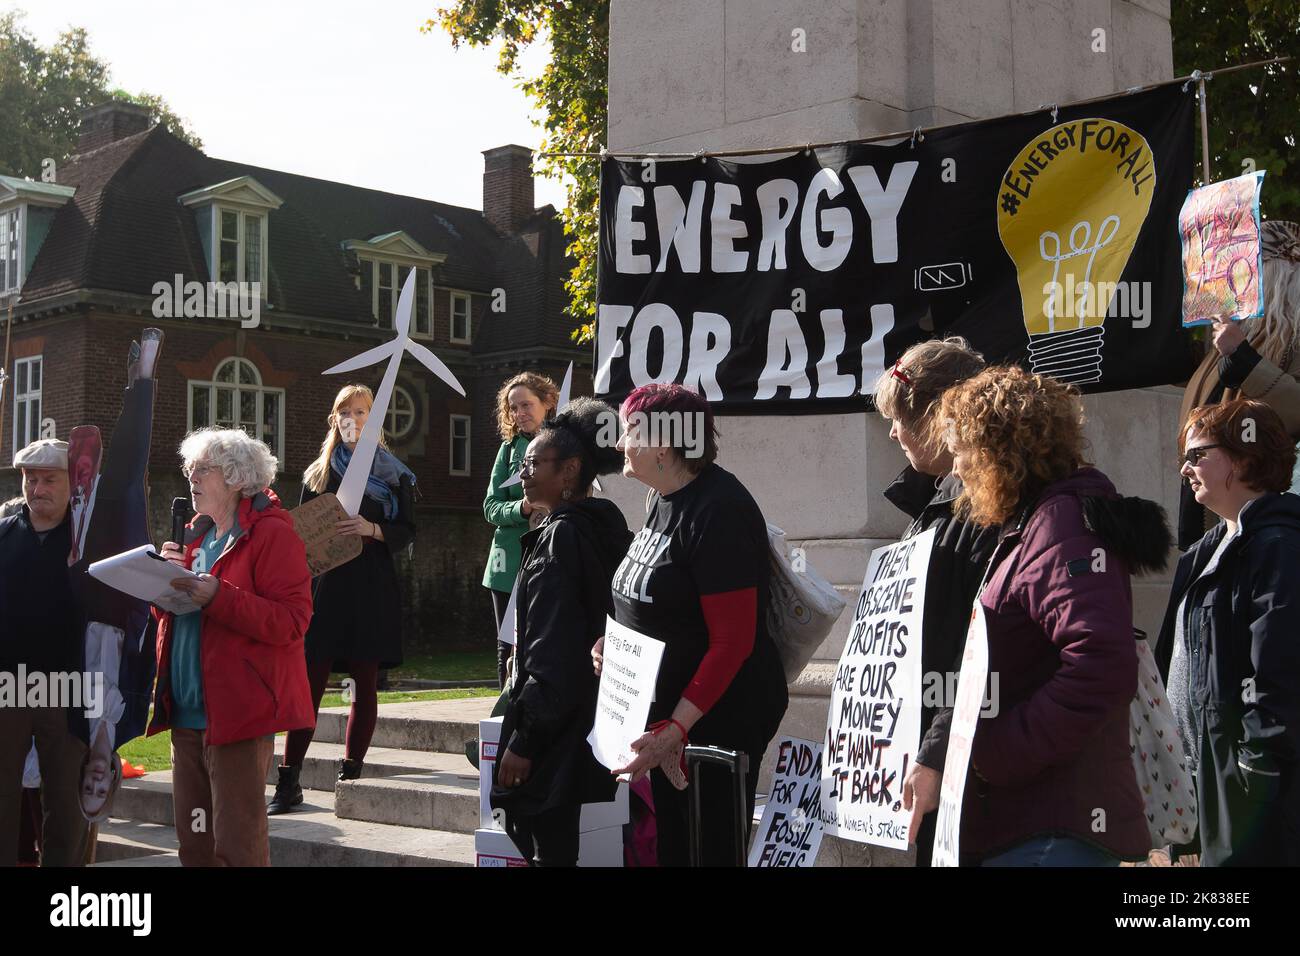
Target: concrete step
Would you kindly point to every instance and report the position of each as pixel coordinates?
(444, 802)
(129, 842)
(320, 766)
(441, 726)
(310, 836)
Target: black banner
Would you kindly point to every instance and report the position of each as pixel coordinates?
(789, 285)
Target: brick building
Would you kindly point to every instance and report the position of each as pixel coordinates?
(81, 260)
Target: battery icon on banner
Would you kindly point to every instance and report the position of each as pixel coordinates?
(949, 275)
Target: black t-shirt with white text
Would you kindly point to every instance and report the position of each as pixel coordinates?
(708, 537)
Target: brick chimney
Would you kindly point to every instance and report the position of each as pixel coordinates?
(508, 186)
(114, 120)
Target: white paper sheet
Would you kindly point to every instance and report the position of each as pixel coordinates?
(145, 574)
(627, 686)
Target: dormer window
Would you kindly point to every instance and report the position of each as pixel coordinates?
(10, 227)
(385, 262)
(232, 219)
(26, 210)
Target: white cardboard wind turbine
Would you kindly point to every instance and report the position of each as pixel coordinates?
(353, 487)
(565, 387)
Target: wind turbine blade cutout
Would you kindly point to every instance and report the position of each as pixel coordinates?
(565, 387)
(353, 487)
(368, 357)
(435, 365)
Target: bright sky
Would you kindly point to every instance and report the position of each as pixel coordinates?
(347, 91)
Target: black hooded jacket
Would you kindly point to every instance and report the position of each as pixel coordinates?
(1242, 627)
(562, 601)
(961, 553)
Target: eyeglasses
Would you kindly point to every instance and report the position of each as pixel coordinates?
(1195, 455)
(200, 472)
(530, 464)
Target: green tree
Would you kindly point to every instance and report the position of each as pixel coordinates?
(571, 92)
(1253, 114)
(43, 92)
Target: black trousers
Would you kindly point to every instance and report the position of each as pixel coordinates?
(499, 601)
(549, 838)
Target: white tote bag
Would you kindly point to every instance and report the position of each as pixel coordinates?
(802, 607)
(1168, 790)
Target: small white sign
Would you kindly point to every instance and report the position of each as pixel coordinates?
(627, 686)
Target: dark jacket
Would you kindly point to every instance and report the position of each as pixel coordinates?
(1243, 628)
(254, 671)
(961, 553)
(563, 600)
(357, 607)
(40, 619)
(1058, 603)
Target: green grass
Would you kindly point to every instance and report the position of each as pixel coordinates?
(401, 697)
(155, 753)
(450, 665)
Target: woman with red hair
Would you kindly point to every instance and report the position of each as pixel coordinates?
(696, 578)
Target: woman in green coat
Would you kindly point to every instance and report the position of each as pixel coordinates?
(523, 403)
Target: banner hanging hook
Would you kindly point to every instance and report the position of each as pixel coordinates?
(917, 137)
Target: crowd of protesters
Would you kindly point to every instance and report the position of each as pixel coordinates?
(1024, 524)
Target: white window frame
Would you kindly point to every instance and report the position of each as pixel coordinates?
(19, 213)
(400, 389)
(374, 262)
(215, 266)
(453, 296)
(451, 444)
(22, 402)
(260, 389)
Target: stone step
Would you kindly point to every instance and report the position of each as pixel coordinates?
(320, 766)
(131, 842)
(442, 726)
(310, 836)
(443, 802)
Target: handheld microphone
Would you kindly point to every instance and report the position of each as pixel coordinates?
(180, 515)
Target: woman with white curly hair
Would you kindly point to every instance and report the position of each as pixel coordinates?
(232, 673)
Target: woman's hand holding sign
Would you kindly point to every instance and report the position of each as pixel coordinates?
(1227, 336)
(920, 795)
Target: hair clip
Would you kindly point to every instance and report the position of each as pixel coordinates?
(898, 373)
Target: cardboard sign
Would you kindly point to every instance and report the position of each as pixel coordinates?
(873, 727)
(966, 713)
(627, 686)
(315, 523)
(790, 833)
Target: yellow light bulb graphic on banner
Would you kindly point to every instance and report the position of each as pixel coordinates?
(1070, 208)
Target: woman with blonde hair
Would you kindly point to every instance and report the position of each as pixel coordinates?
(1051, 762)
(523, 403)
(1256, 358)
(357, 625)
(908, 395)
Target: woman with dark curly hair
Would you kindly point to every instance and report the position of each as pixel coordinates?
(546, 770)
(523, 403)
(1053, 780)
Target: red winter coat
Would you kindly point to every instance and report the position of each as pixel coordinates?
(1056, 759)
(252, 659)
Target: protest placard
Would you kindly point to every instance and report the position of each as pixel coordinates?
(790, 833)
(315, 522)
(873, 727)
(966, 713)
(627, 686)
(1222, 253)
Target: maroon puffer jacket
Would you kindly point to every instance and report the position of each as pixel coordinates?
(1055, 759)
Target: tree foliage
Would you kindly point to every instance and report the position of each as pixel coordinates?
(1253, 114)
(43, 92)
(571, 92)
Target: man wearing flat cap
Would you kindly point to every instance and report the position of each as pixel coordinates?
(40, 627)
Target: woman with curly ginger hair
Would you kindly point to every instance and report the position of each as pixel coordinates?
(523, 403)
(1052, 758)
